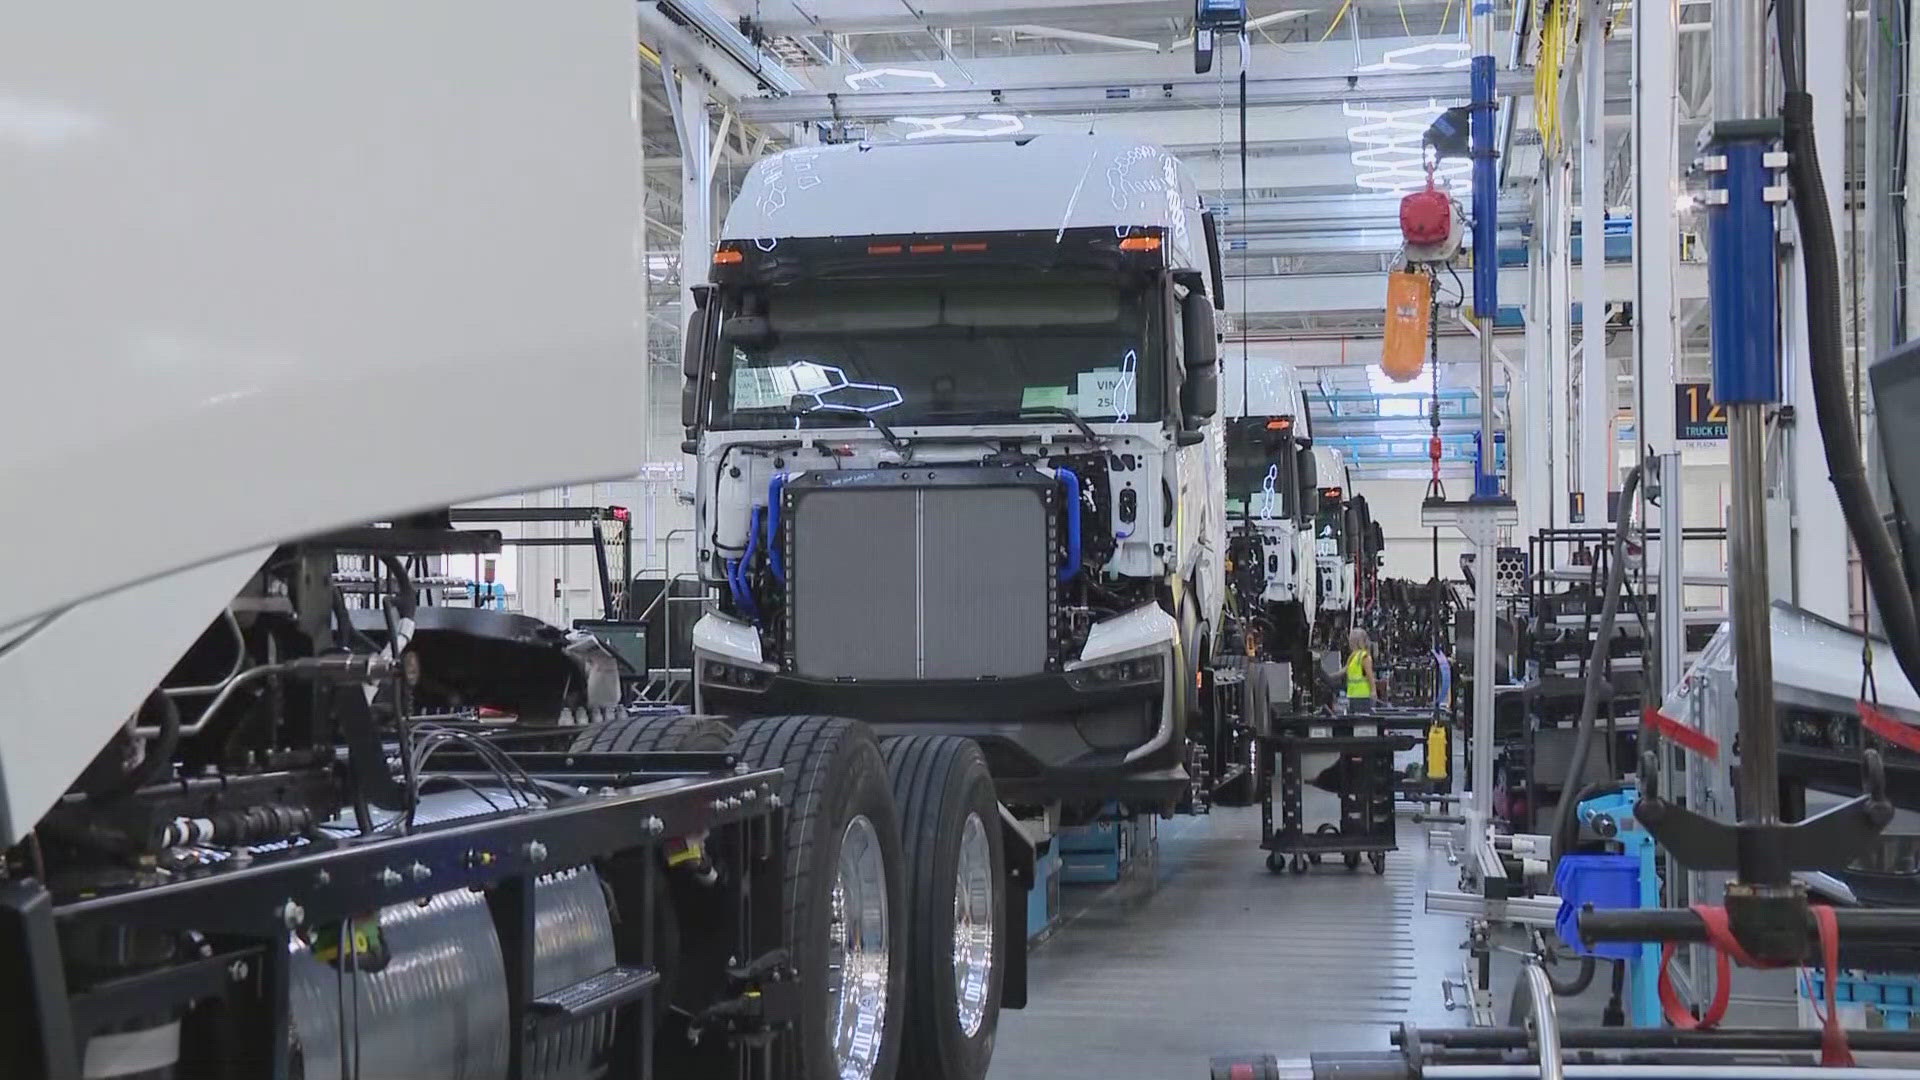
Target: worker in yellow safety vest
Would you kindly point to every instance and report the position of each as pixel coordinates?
(1359, 673)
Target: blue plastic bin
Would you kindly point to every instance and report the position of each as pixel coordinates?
(1605, 881)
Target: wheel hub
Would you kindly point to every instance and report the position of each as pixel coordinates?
(857, 952)
(973, 926)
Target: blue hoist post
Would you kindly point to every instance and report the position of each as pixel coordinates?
(1743, 158)
(1486, 260)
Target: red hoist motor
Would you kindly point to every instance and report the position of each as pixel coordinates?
(1432, 225)
(1426, 217)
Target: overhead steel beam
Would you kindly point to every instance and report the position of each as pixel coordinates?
(1309, 293)
(1331, 238)
(863, 19)
(1135, 95)
(1323, 212)
(763, 66)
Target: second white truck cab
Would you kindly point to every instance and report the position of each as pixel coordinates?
(1272, 495)
(1333, 538)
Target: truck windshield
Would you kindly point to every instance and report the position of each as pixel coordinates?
(1260, 459)
(931, 352)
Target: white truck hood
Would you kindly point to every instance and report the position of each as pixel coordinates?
(274, 269)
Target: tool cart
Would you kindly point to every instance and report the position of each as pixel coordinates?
(1363, 746)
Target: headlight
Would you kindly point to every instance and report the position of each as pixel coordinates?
(721, 673)
(1129, 672)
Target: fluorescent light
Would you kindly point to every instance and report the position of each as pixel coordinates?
(1082, 35)
(1433, 54)
(862, 80)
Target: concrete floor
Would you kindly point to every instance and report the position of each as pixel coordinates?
(1208, 953)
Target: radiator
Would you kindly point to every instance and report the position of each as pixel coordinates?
(920, 574)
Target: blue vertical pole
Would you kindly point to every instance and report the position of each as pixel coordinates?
(1486, 259)
(1740, 270)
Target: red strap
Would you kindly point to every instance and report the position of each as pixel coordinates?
(1677, 1012)
(1834, 1051)
(1833, 1038)
(1684, 734)
(1883, 724)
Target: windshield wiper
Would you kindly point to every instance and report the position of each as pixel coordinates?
(986, 415)
(900, 445)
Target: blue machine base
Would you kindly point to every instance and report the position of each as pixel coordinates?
(1043, 900)
(1099, 854)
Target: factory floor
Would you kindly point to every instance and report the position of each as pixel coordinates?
(1205, 952)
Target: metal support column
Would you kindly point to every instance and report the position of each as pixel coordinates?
(1557, 223)
(1741, 160)
(1672, 580)
(689, 102)
(1480, 522)
(1656, 240)
(1596, 465)
(1486, 229)
(1535, 465)
(1819, 581)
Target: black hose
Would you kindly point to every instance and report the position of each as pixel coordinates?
(1615, 1014)
(405, 597)
(1582, 979)
(1563, 821)
(1845, 466)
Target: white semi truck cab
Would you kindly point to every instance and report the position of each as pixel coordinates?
(1333, 535)
(1272, 500)
(960, 465)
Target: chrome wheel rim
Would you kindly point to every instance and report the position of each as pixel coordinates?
(857, 952)
(973, 926)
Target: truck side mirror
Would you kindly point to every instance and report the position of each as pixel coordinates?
(1308, 476)
(692, 345)
(1200, 391)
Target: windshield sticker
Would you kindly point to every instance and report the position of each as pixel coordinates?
(1107, 391)
(1046, 397)
(1267, 487)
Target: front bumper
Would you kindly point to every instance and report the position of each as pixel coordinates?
(1043, 738)
(1046, 737)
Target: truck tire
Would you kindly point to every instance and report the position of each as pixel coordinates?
(844, 907)
(643, 734)
(950, 822)
(639, 735)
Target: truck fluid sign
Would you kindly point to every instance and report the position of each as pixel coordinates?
(1695, 415)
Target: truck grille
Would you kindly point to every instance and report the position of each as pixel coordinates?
(921, 574)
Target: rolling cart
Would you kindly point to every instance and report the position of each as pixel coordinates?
(1365, 745)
